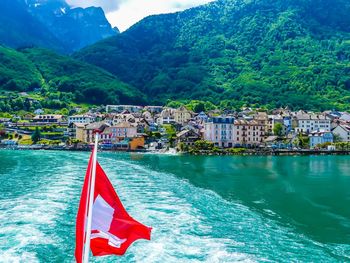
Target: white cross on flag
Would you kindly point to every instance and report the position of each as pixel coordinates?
(112, 229)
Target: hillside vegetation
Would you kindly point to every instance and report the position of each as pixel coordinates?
(292, 53)
(48, 73)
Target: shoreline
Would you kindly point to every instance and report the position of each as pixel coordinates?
(248, 152)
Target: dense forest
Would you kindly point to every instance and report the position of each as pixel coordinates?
(292, 53)
(61, 77)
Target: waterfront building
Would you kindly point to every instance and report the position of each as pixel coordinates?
(263, 119)
(220, 131)
(118, 132)
(182, 115)
(187, 137)
(343, 131)
(81, 119)
(320, 137)
(249, 133)
(309, 122)
(78, 131)
(89, 130)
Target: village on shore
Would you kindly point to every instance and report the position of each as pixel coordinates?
(164, 129)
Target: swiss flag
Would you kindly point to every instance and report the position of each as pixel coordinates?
(113, 230)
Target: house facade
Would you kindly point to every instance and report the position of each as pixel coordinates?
(343, 131)
(167, 116)
(81, 119)
(220, 131)
(121, 108)
(188, 137)
(182, 115)
(89, 130)
(308, 123)
(48, 118)
(320, 137)
(118, 132)
(249, 133)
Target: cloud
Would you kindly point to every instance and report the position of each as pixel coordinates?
(132, 11)
(107, 5)
(125, 13)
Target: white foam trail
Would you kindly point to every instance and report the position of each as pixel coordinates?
(30, 220)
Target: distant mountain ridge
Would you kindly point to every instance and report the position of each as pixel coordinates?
(74, 27)
(19, 28)
(52, 24)
(236, 52)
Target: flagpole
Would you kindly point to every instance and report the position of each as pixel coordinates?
(91, 200)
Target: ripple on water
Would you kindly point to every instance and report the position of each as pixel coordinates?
(30, 221)
(189, 224)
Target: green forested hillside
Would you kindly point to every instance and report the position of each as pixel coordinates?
(232, 52)
(48, 73)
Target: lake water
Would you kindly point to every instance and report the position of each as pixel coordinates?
(202, 209)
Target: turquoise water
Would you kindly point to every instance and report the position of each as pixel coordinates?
(202, 209)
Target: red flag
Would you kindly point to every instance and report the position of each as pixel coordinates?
(113, 230)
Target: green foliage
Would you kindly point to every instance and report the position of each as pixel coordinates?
(235, 53)
(36, 135)
(323, 145)
(204, 145)
(17, 72)
(169, 129)
(343, 146)
(303, 141)
(236, 150)
(199, 106)
(278, 129)
(61, 80)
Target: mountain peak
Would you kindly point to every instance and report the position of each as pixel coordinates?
(51, 23)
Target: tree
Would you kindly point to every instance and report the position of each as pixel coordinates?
(278, 129)
(199, 107)
(36, 135)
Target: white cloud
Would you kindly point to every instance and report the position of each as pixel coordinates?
(125, 13)
(107, 5)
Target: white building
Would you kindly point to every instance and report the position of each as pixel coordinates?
(220, 131)
(308, 122)
(167, 116)
(121, 108)
(343, 131)
(81, 119)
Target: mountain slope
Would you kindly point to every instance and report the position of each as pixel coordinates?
(74, 27)
(257, 52)
(18, 28)
(40, 69)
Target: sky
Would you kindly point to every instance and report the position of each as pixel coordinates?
(125, 13)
